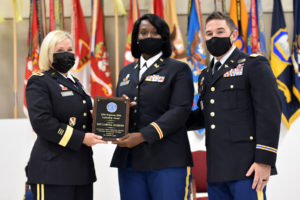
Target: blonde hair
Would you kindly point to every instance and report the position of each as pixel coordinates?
(47, 47)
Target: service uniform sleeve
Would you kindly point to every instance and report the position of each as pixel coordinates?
(180, 105)
(267, 110)
(40, 109)
(195, 120)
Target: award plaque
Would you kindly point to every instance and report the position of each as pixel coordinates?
(110, 117)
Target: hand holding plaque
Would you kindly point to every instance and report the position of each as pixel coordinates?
(110, 117)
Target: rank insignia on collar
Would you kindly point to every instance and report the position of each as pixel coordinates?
(156, 65)
(232, 61)
(135, 67)
(226, 66)
(161, 59)
(155, 78)
(72, 121)
(241, 60)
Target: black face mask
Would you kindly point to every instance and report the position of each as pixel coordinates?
(63, 61)
(218, 46)
(151, 46)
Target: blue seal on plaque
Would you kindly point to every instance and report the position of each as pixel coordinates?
(111, 107)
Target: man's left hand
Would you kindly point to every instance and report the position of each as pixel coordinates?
(130, 140)
(262, 174)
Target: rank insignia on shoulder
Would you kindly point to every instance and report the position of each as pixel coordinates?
(238, 71)
(38, 74)
(155, 78)
(125, 80)
(241, 60)
(72, 121)
(254, 55)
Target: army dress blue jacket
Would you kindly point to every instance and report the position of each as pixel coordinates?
(59, 112)
(164, 99)
(240, 109)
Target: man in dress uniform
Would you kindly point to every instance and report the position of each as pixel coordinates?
(240, 108)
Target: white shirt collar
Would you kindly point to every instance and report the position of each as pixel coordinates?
(150, 61)
(226, 56)
(68, 76)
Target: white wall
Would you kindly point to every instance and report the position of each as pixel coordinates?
(17, 140)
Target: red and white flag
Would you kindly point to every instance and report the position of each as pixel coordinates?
(81, 69)
(158, 8)
(100, 73)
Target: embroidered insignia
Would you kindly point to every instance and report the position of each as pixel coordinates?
(67, 93)
(72, 121)
(63, 87)
(60, 131)
(238, 71)
(125, 80)
(241, 60)
(155, 78)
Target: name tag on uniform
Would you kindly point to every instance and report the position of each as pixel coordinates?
(67, 93)
(155, 78)
(238, 71)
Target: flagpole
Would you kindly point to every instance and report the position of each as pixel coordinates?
(15, 62)
(117, 68)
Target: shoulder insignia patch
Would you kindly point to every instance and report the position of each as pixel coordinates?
(38, 74)
(254, 55)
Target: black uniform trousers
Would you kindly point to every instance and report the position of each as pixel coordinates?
(62, 192)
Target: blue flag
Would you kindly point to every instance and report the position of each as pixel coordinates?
(296, 49)
(281, 64)
(195, 51)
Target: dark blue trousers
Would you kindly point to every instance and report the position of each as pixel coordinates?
(234, 190)
(162, 184)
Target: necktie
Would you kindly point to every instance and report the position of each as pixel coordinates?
(142, 70)
(216, 67)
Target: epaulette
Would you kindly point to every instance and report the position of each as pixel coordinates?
(38, 74)
(254, 55)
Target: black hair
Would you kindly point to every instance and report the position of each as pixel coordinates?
(221, 16)
(162, 29)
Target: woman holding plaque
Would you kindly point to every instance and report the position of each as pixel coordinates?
(61, 165)
(154, 160)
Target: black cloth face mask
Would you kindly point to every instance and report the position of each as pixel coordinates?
(218, 46)
(63, 61)
(151, 46)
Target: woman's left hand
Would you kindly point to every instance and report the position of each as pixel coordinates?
(130, 140)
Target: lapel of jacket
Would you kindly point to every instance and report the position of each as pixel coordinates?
(61, 80)
(227, 66)
(155, 67)
(135, 73)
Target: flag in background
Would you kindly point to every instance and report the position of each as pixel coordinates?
(35, 37)
(134, 14)
(56, 15)
(100, 73)
(195, 52)
(239, 14)
(81, 68)
(256, 35)
(220, 5)
(280, 60)
(296, 49)
(158, 8)
(175, 33)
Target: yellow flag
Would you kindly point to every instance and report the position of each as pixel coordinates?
(120, 6)
(1, 18)
(176, 36)
(239, 15)
(18, 9)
